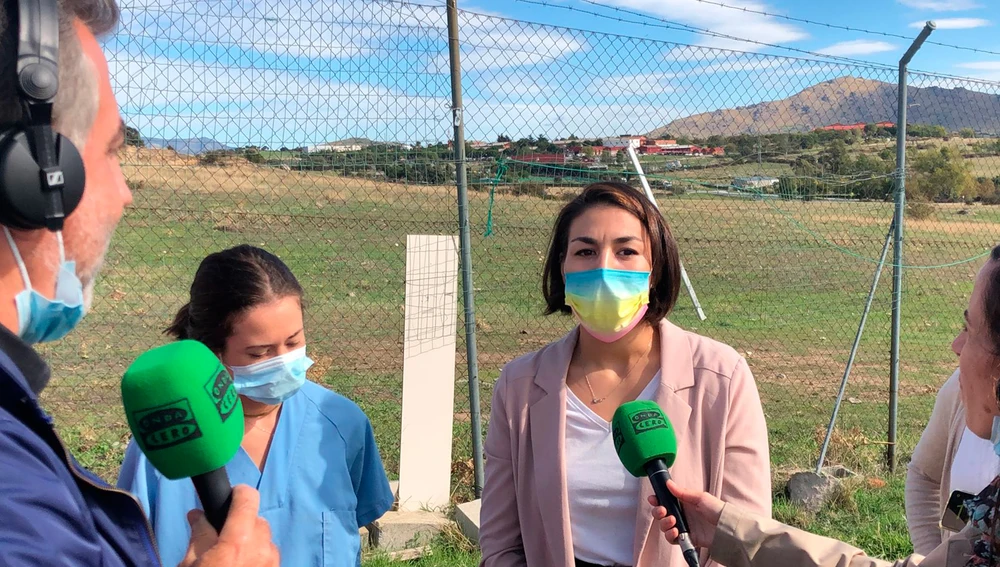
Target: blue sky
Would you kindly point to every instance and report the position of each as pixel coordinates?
(971, 23)
(301, 72)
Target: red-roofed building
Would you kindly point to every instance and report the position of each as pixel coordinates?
(857, 126)
(559, 158)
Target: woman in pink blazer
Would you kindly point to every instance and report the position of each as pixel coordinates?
(555, 494)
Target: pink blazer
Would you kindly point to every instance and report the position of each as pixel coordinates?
(707, 391)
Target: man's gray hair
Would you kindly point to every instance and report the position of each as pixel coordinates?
(75, 106)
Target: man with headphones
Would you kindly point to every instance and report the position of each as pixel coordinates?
(58, 208)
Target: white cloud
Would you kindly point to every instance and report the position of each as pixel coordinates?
(954, 23)
(317, 29)
(770, 67)
(941, 5)
(982, 65)
(336, 29)
(646, 84)
(856, 47)
(984, 70)
(726, 21)
(507, 86)
(515, 49)
(174, 98)
(489, 43)
(240, 105)
(692, 53)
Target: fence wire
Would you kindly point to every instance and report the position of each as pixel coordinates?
(320, 130)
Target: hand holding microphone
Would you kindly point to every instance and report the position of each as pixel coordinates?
(704, 509)
(245, 540)
(646, 445)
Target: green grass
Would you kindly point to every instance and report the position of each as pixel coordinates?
(449, 549)
(868, 516)
(782, 282)
(866, 512)
(440, 556)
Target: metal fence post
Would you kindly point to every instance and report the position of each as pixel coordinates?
(465, 238)
(854, 350)
(897, 253)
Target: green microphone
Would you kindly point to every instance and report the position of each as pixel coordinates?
(646, 445)
(186, 416)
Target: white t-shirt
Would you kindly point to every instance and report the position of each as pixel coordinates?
(602, 494)
(975, 464)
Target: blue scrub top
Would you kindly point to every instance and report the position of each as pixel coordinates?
(322, 480)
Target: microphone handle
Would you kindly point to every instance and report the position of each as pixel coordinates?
(658, 475)
(216, 495)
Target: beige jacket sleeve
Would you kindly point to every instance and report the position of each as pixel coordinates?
(746, 473)
(500, 531)
(924, 473)
(743, 539)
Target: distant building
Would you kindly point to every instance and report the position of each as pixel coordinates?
(477, 145)
(755, 182)
(558, 158)
(671, 147)
(856, 126)
(335, 147)
(624, 142)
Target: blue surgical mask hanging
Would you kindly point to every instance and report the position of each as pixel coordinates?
(39, 318)
(274, 380)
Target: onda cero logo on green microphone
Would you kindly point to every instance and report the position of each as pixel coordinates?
(167, 425)
(223, 393)
(647, 420)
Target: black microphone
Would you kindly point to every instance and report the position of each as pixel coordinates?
(646, 445)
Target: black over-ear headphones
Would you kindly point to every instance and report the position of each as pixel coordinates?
(41, 172)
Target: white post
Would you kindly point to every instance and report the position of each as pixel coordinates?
(430, 325)
(649, 193)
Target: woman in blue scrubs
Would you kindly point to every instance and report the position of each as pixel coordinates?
(310, 452)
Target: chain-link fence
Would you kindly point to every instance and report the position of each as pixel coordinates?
(320, 130)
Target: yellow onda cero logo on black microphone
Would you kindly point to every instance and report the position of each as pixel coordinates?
(167, 425)
(647, 420)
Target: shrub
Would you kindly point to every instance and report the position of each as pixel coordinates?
(920, 210)
(529, 189)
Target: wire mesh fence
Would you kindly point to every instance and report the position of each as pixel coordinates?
(320, 131)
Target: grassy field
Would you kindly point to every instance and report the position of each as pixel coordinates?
(783, 282)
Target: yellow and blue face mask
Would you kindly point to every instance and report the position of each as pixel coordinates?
(608, 303)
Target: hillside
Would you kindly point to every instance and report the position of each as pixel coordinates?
(189, 146)
(846, 100)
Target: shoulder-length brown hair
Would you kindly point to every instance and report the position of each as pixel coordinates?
(665, 280)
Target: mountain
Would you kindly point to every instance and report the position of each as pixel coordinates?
(845, 100)
(189, 146)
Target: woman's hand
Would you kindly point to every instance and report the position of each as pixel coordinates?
(701, 509)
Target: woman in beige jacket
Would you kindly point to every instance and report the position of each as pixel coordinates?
(738, 538)
(948, 458)
(928, 476)
(556, 494)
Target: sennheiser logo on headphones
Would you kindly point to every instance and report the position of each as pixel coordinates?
(55, 178)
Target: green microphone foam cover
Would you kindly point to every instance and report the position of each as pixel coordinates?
(642, 433)
(183, 409)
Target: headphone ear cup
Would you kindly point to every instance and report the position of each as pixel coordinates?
(22, 201)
